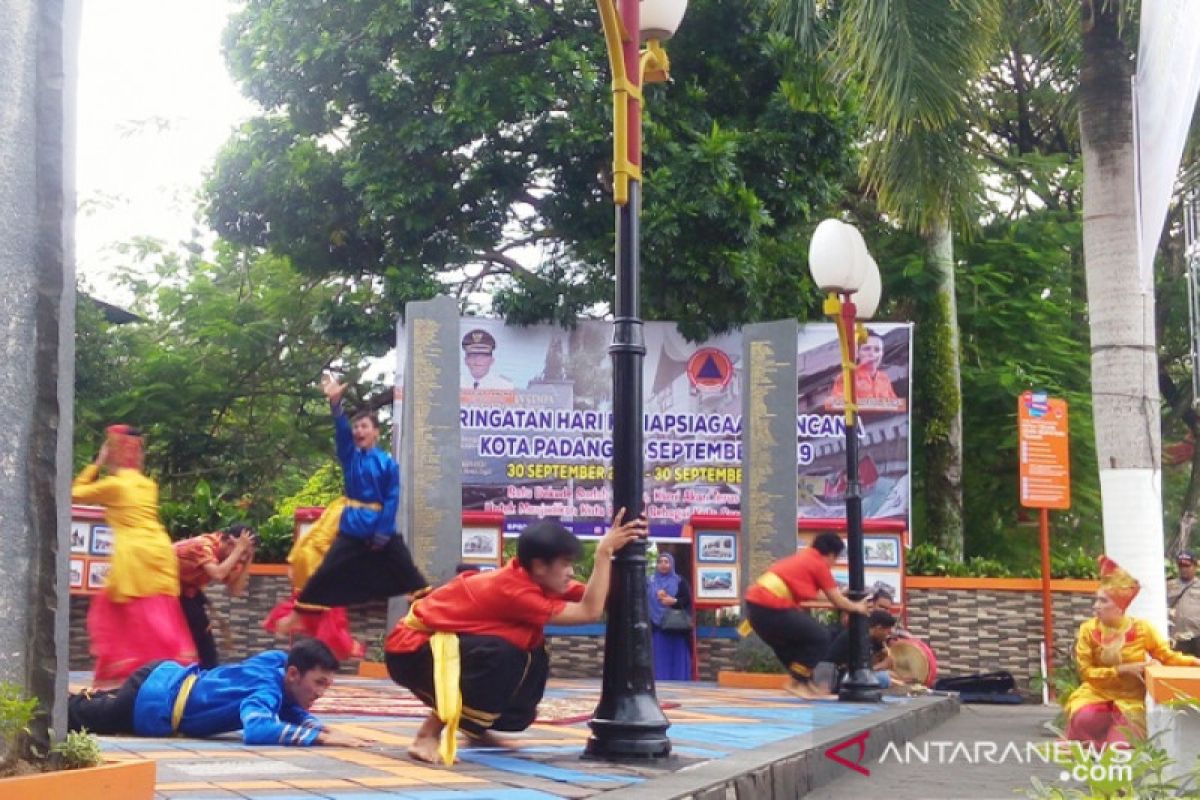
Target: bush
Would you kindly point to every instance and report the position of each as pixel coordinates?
(16, 712)
(80, 749)
(926, 559)
(276, 534)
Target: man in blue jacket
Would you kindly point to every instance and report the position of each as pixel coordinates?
(267, 697)
(368, 559)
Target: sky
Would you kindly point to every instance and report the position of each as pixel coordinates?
(155, 104)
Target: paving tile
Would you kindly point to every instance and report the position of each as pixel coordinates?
(711, 724)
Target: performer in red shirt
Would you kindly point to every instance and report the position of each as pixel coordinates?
(223, 556)
(772, 610)
(473, 649)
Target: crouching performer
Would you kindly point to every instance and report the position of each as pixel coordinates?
(473, 649)
(267, 697)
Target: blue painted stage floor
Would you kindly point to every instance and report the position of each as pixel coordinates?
(710, 723)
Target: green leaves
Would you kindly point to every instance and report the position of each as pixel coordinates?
(421, 143)
(221, 376)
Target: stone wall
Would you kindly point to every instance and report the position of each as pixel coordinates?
(970, 630)
(983, 630)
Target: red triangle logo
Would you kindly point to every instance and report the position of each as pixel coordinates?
(834, 752)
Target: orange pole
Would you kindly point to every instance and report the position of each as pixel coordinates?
(1047, 605)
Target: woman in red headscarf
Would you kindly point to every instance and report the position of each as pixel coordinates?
(1111, 653)
(136, 619)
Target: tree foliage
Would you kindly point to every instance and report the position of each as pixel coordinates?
(221, 377)
(422, 145)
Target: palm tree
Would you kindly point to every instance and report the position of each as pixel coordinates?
(915, 63)
(1125, 388)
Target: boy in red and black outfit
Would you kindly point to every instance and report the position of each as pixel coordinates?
(772, 610)
(223, 556)
(474, 649)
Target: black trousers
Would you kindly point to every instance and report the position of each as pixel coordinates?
(501, 684)
(799, 641)
(109, 711)
(195, 611)
(353, 573)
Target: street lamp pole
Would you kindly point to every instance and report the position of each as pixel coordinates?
(842, 267)
(628, 722)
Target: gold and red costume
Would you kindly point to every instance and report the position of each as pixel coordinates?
(1110, 704)
(136, 619)
(329, 625)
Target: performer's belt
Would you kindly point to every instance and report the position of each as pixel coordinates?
(352, 503)
(447, 675)
(776, 586)
(185, 689)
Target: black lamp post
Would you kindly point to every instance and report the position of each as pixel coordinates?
(842, 267)
(629, 723)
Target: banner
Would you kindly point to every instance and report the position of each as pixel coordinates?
(536, 418)
(1164, 96)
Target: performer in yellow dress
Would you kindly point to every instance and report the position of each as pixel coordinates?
(136, 619)
(1111, 653)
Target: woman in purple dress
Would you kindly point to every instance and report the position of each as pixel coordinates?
(672, 649)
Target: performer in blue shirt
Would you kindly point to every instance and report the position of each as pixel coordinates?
(267, 697)
(368, 559)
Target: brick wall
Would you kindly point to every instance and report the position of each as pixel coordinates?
(982, 630)
(970, 630)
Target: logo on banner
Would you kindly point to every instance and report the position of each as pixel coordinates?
(709, 369)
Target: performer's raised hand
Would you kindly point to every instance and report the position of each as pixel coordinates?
(622, 533)
(102, 456)
(332, 389)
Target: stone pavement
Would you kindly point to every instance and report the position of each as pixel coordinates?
(976, 726)
(748, 740)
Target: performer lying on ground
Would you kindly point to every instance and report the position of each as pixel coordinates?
(772, 610)
(474, 650)
(353, 554)
(267, 697)
(136, 619)
(223, 556)
(1111, 653)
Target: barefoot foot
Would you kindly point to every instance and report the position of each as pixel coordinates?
(425, 745)
(287, 624)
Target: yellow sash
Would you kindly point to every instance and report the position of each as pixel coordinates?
(447, 683)
(773, 584)
(309, 550)
(185, 689)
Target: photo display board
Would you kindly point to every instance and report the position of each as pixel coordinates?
(883, 556)
(536, 423)
(719, 546)
(91, 548)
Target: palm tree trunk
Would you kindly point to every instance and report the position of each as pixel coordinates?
(941, 405)
(1121, 311)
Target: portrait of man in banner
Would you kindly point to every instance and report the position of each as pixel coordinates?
(479, 349)
(881, 382)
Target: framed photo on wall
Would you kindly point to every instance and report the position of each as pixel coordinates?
(715, 583)
(102, 540)
(80, 536)
(716, 547)
(876, 579)
(881, 551)
(481, 543)
(78, 565)
(97, 574)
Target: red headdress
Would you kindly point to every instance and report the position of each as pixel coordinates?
(124, 447)
(1117, 584)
